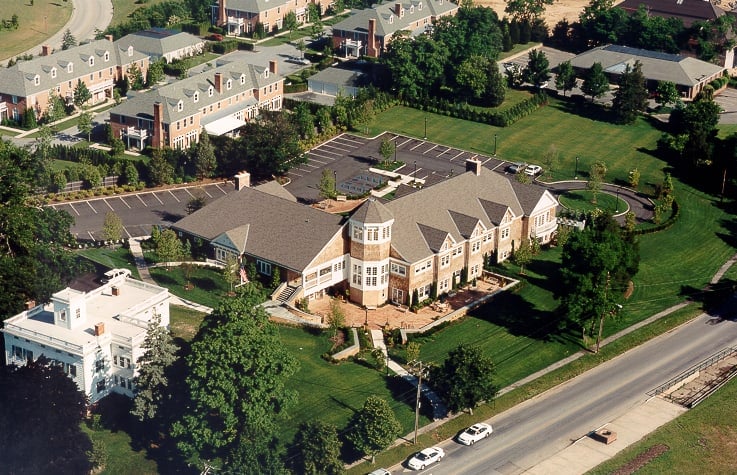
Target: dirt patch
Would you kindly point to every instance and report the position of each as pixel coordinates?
(563, 9)
(642, 459)
(338, 339)
(337, 207)
(719, 441)
(630, 290)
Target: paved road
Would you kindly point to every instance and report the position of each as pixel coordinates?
(539, 428)
(87, 17)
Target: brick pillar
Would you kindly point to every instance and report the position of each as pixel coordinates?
(158, 139)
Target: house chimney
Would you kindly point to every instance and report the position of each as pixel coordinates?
(109, 38)
(473, 166)
(99, 328)
(158, 141)
(115, 290)
(222, 19)
(398, 9)
(273, 67)
(242, 180)
(30, 304)
(219, 82)
(45, 50)
(371, 47)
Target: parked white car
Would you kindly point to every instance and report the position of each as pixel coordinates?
(426, 457)
(380, 471)
(475, 433)
(533, 170)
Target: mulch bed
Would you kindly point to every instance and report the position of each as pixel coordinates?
(642, 459)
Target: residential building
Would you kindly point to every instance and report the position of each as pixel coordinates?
(690, 75)
(333, 81)
(369, 31)
(98, 64)
(160, 43)
(94, 336)
(423, 241)
(219, 100)
(241, 17)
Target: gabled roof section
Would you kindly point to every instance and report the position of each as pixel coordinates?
(688, 11)
(279, 231)
(372, 212)
(494, 211)
(465, 224)
(159, 41)
(234, 239)
(435, 238)
(529, 195)
(389, 22)
(274, 188)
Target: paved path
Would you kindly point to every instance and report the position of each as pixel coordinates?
(636, 202)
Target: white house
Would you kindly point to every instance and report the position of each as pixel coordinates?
(95, 336)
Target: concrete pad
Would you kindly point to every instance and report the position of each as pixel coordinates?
(586, 453)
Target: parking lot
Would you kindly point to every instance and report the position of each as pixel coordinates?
(349, 157)
(138, 211)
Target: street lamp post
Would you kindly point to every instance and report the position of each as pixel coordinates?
(396, 139)
(576, 175)
(414, 179)
(495, 145)
(616, 209)
(335, 181)
(425, 137)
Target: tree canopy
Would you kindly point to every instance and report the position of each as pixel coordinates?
(465, 378)
(316, 450)
(631, 97)
(237, 371)
(595, 83)
(374, 427)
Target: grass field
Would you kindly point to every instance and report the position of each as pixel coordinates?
(122, 9)
(113, 258)
(209, 285)
(36, 22)
(581, 201)
(703, 440)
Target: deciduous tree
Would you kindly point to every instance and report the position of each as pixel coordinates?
(82, 94)
(526, 10)
(465, 378)
(374, 427)
(387, 149)
(537, 71)
(666, 93)
(326, 187)
(316, 450)
(84, 123)
(112, 227)
(168, 247)
(595, 84)
(597, 174)
(566, 78)
(68, 40)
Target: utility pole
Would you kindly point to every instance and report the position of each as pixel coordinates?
(601, 318)
(414, 365)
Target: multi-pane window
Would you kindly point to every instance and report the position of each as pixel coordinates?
(458, 251)
(122, 361)
(372, 234)
(423, 266)
(475, 247)
(337, 266)
(21, 354)
(358, 233)
(357, 271)
(101, 385)
(445, 260)
(386, 232)
(263, 267)
(443, 284)
(398, 269)
(504, 233)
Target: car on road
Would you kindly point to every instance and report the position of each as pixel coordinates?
(380, 471)
(533, 170)
(516, 167)
(296, 60)
(426, 457)
(475, 433)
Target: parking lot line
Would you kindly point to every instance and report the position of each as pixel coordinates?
(224, 192)
(308, 165)
(189, 192)
(416, 146)
(459, 154)
(172, 194)
(153, 193)
(430, 149)
(141, 200)
(338, 148)
(291, 172)
(91, 235)
(204, 190)
(406, 141)
(444, 151)
(91, 207)
(318, 161)
(123, 201)
(126, 232)
(322, 156)
(108, 204)
(74, 209)
(349, 139)
(327, 151)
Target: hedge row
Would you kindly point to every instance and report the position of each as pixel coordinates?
(289, 88)
(676, 211)
(503, 118)
(76, 154)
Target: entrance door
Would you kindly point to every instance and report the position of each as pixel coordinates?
(398, 296)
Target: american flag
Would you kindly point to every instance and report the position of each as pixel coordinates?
(244, 275)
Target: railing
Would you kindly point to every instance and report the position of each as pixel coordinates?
(723, 354)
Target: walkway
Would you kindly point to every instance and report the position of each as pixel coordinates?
(636, 202)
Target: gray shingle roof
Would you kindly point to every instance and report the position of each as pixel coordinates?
(158, 42)
(688, 11)
(253, 6)
(442, 206)
(141, 105)
(19, 79)
(278, 230)
(681, 70)
(372, 212)
(387, 22)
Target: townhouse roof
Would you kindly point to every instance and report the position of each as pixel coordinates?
(342, 77)
(372, 211)
(387, 20)
(656, 66)
(194, 93)
(43, 73)
(689, 11)
(254, 6)
(265, 226)
(159, 41)
(452, 208)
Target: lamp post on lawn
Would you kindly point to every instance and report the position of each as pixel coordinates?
(425, 136)
(495, 145)
(335, 181)
(616, 210)
(576, 175)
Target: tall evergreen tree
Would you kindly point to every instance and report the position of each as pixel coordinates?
(203, 155)
(537, 71)
(566, 78)
(631, 97)
(82, 94)
(496, 85)
(595, 84)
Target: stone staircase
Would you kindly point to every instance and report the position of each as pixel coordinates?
(286, 294)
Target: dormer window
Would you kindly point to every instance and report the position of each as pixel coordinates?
(36, 80)
(107, 56)
(210, 91)
(53, 72)
(130, 51)
(196, 96)
(419, 6)
(180, 106)
(91, 61)
(243, 78)
(266, 73)
(70, 67)
(412, 9)
(229, 85)
(391, 18)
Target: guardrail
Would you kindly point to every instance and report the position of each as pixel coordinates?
(723, 354)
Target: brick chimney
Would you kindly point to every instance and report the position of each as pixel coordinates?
(109, 38)
(273, 67)
(115, 291)
(158, 139)
(473, 166)
(398, 10)
(99, 328)
(30, 304)
(371, 47)
(219, 82)
(222, 18)
(242, 180)
(45, 50)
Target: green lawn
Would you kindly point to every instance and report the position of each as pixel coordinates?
(700, 441)
(209, 285)
(113, 258)
(122, 9)
(582, 201)
(516, 49)
(121, 457)
(37, 21)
